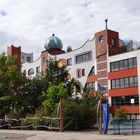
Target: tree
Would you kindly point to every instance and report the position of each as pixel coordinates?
(56, 77)
(52, 97)
(32, 95)
(19, 96)
(69, 49)
(56, 74)
(11, 82)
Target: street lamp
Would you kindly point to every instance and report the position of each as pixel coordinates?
(132, 102)
(132, 117)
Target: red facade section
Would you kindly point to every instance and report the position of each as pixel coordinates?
(102, 65)
(113, 42)
(55, 51)
(101, 57)
(15, 52)
(123, 92)
(122, 73)
(44, 58)
(127, 109)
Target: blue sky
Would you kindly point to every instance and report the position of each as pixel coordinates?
(28, 23)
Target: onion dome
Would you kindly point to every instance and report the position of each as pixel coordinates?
(53, 43)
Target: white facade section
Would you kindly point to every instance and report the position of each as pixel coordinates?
(119, 57)
(34, 67)
(89, 46)
(26, 57)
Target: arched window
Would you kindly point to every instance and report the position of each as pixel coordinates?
(101, 39)
(38, 69)
(31, 71)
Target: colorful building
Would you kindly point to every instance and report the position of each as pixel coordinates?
(104, 60)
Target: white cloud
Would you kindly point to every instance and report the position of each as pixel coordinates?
(30, 22)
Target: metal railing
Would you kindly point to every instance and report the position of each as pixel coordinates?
(126, 126)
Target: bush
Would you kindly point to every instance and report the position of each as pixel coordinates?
(83, 114)
(119, 114)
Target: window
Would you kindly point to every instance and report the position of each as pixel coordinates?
(134, 62)
(78, 73)
(113, 84)
(131, 81)
(126, 64)
(116, 66)
(83, 72)
(135, 81)
(31, 71)
(90, 86)
(101, 39)
(69, 61)
(130, 63)
(92, 72)
(38, 69)
(83, 57)
(117, 83)
(123, 64)
(113, 41)
(112, 66)
(124, 82)
(28, 59)
(124, 100)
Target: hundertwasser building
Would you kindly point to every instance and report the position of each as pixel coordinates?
(104, 60)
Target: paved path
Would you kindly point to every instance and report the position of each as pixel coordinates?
(45, 135)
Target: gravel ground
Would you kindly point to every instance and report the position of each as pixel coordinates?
(47, 135)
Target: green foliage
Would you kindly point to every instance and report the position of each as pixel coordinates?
(119, 114)
(83, 113)
(56, 74)
(11, 83)
(52, 97)
(19, 96)
(31, 120)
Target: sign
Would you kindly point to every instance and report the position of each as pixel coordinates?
(132, 101)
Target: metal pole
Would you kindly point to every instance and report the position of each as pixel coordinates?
(61, 116)
(106, 20)
(98, 106)
(132, 117)
(132, 120)
(100, 129)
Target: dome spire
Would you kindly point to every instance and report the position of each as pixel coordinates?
(53, 43)
(106, 20)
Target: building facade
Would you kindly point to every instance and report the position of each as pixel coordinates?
(104, 60)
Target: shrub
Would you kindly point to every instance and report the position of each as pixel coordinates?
(119, 114)
(83, 114)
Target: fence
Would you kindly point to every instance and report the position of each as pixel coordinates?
(46, 123)
(126, 126)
